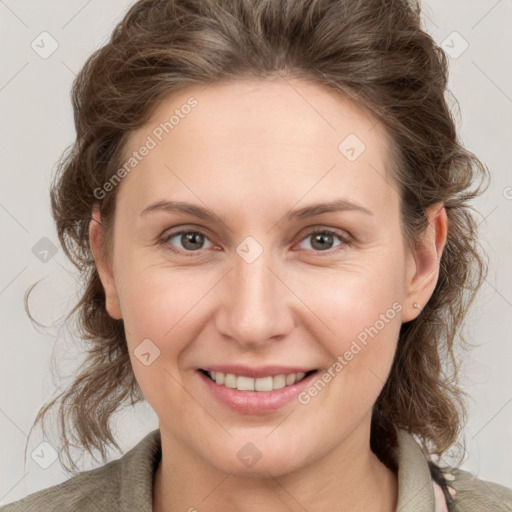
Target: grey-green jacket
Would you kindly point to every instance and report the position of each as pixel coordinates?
(126, 485)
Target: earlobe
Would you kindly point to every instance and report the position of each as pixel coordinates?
(103, 265)
(423, 268)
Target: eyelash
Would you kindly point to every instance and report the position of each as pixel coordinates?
(346, 241)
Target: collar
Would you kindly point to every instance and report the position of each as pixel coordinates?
(138, 466)
(415, 485)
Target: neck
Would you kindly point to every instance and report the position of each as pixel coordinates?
(348, 478)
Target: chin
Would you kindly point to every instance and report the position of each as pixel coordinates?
(258, 459)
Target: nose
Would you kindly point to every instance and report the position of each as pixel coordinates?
(256, 305)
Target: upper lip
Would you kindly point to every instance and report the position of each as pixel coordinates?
(257, 372)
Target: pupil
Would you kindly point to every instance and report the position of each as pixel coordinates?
(190, 238)
(322, 238)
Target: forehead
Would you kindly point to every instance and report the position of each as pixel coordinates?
(273, 139)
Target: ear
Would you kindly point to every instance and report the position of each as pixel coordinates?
(103, 264)
(423, 263)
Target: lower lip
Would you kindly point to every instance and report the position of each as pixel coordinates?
(255, 402)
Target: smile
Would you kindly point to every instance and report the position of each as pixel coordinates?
(247, 390)
(244, 383)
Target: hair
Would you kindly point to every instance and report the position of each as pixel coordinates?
(373, 52)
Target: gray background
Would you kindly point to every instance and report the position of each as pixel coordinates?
(36, 126)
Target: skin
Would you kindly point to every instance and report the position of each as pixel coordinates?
(252, 151)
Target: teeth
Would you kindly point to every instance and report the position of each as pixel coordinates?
(230, 381)
(264, 384)
(279, 381)
(290, 379)
(243, 383)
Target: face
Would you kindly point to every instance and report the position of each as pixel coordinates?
(265, 284)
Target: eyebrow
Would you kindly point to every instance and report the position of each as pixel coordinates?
(338, 205)
(206, 214)
(179, 206)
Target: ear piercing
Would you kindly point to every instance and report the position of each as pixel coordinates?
(416, 305)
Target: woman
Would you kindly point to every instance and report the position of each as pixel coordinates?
(270, 203)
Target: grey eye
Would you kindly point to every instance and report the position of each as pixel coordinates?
(189, 240)
(322, 240)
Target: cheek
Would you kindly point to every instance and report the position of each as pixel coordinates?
(362, 318)
(167, 307)
(160, 317)
(351, 300)
(155, 305)
(361, 357)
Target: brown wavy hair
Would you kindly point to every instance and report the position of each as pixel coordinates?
(374, 52)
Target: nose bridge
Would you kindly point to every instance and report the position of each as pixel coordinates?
(254, 308)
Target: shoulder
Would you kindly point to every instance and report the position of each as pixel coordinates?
(465, 491)
(86, 492)
(472, 494)
(121, 484)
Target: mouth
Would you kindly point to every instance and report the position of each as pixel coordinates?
(255, 390)
(260, 384)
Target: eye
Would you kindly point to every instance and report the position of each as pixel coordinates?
(191, 241)
(323, 239)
